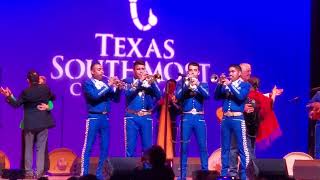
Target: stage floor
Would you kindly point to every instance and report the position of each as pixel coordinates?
(66, 177)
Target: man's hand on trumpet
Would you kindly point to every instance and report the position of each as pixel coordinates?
(148, 79)
(116, 82)
(224, 80)
(221, 79)
(194, 81)
(112, 81)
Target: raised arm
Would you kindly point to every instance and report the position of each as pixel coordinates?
(203, 90)
(242, 93)
(93, 93)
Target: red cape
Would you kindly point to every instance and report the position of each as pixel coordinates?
(269, 128)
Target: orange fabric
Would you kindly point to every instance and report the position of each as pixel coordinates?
(164, 134)
(269, 128)
(219, 114)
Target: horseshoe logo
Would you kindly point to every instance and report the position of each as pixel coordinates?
(152, 20)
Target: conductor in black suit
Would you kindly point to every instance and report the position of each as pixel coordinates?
(36, 120)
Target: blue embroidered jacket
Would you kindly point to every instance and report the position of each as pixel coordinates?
(192, 99)
(139, 97)
(98, 100)
(234, 95)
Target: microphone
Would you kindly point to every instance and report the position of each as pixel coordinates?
(181, 74)
(294, 99)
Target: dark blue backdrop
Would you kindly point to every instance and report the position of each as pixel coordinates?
(271, 35)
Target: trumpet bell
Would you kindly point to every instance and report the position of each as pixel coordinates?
(154, 77)
(214, 78)
(157, 76)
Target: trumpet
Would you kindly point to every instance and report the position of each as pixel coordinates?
(190, 82)
(214, 78)
(115, 81)
(151, 78)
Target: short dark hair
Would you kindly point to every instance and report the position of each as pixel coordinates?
(237, 66)
(93, 64)
(139, 62)
(193, 64)
(33, 77)
(88, 177)
(157, 156)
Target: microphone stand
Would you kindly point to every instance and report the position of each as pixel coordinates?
(0, 108)
(181, 121)
(62, 120)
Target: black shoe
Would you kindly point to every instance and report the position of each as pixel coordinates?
(41, 175)
(29, 175)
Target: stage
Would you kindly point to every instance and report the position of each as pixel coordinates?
(66, 177)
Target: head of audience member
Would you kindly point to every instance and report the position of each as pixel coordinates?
(234, 72)
(139, 69)
(255, 82)
(73, 178)
(43, 178)
(171, 85)
(97, 70)
(33, 77)
(157, 156)
(88, 177)
(245, 71)
(193, 70)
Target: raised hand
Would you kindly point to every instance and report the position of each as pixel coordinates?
(5, 91)
(2, 90)
(276, 91)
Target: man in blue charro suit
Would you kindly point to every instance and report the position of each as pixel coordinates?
(234, 93)
(192, 95)
(142, 93)
(98, 95)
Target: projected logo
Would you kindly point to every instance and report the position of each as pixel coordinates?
(152, 19)
(117, 54)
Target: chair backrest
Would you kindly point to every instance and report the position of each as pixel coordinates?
(5, 160)
(214, 161)
(291, 157)
(61, 160)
